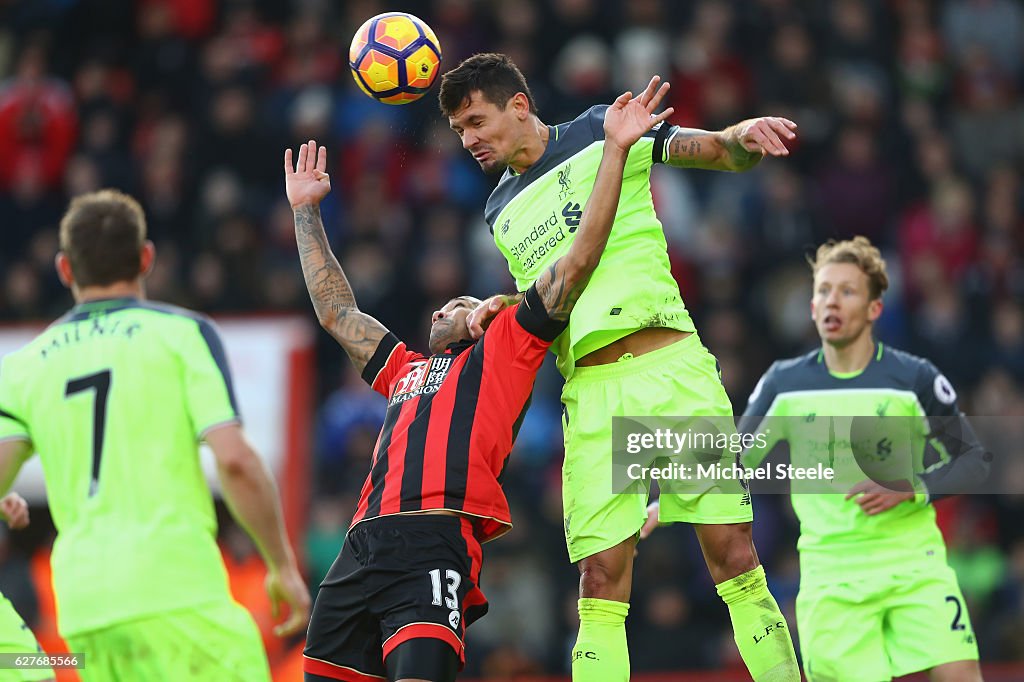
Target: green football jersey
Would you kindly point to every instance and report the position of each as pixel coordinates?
(891, 421)
(115, 397)
(534, 218)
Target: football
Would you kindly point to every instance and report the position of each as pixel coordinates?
(394, 58)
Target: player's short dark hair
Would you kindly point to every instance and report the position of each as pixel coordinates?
(102, 234)
(496, 77)
(860, 252)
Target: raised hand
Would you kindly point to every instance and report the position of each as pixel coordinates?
(308, 182)
(628, 118)
(766, 135)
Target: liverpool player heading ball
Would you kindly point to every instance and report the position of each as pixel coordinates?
(398, 599)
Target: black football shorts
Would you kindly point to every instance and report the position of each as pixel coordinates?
(397, 578)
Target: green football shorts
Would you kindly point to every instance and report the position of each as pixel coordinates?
(877, 629)
(200, 644)
(678, 380)
(16, 638)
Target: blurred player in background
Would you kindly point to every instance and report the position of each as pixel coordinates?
(15, 636)
(877, 598)
(630, 349)
(405, 586)
(115, 396)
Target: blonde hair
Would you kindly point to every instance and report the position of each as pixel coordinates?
(860, 252)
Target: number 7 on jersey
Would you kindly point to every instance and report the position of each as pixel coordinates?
(100, 382)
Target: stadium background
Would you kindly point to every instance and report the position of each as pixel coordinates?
(911, 132)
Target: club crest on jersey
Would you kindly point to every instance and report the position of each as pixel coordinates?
(426, 377)
(564, 182)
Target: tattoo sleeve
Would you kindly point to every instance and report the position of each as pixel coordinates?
(739, 158)
(686, 148)
(690, 148)
(358, 333)
(558, 291)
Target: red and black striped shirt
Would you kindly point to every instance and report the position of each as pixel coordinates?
(452, 419)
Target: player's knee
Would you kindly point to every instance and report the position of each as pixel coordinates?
(739, 560)
(733, 557)
(606, 575)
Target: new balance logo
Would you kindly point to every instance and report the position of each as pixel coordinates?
(572, 214)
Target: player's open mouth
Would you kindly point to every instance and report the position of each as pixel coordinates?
(832, 323)
(480, 156)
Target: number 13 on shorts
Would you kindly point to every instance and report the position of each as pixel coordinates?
(453, 580)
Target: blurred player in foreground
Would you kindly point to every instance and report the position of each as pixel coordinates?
(115, 396)
(630, 349)
(15, 636)
(877, 599)
(397, 600)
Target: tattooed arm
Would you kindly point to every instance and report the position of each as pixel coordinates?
(626, 120)
(306, 185)
(562, 284)
(737, 148)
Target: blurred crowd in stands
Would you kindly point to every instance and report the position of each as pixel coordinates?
(911, 133)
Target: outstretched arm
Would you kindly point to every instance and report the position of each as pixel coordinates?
(737, 148)
(306, 185)
(253, 501)
(626, 120)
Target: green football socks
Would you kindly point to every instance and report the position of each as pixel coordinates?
(759, 628)
(600, 654)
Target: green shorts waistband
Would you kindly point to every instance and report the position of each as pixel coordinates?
(629, 365)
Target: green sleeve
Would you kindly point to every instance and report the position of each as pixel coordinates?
(208, 386)
(11, 425)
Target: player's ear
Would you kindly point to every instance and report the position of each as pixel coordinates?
(63, 265)
(147, 257)
(875, 309)
(520, 105)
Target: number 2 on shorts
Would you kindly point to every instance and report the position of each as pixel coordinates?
(956, 624)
